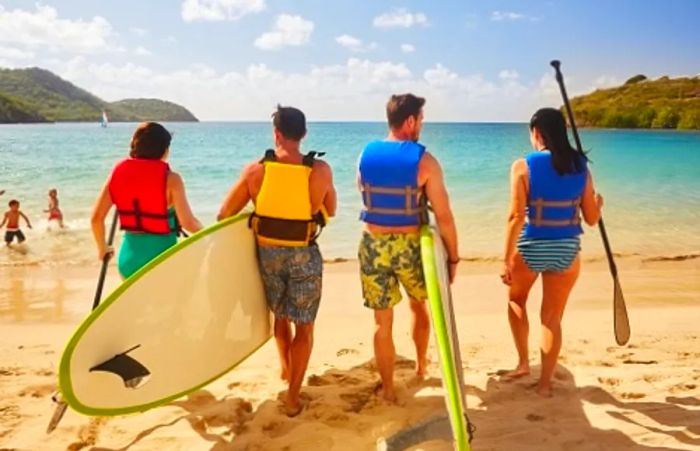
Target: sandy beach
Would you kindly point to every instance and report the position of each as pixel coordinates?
(645, 396)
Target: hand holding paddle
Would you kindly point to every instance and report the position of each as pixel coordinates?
(621, 321)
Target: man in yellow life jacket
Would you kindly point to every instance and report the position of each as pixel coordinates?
(292, 193)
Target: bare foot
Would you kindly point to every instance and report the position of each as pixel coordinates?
(284, 375)
(386, 395)
(421, 367)
(517, 373)
(293, 407)
(544, 391)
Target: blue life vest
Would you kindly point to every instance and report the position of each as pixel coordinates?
(389, 183)
(554, 201)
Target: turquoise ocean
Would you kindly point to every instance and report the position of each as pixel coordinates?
(650, 181)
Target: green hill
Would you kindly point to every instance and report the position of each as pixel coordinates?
(670, 103)
(15, 111)
(39, 93)
(145, 109)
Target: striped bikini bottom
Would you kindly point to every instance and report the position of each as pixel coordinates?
(555, 255)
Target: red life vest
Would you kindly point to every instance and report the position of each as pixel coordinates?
(138, 188)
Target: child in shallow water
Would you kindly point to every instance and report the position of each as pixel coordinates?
(11, 218)
(54, 212)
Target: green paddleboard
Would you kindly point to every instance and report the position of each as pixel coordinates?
(442, 314)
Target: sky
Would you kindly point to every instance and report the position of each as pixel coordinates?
(341, 59)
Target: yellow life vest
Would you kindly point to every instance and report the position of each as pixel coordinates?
(282, 214)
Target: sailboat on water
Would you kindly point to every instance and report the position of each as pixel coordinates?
(105, 120)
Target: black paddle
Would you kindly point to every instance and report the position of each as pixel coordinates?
(620, 319)
(61, 405)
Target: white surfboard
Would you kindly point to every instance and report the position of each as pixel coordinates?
(182, 321)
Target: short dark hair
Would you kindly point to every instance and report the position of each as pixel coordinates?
(290, 121)
(13, 202)
(150, 141)
(402, 106)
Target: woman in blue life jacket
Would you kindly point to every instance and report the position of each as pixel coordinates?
(550, 189)
(150, 201)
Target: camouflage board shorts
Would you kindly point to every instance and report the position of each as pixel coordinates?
(292, 280)
(387, 261)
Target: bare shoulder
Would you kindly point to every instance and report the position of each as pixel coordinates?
(428, 164)
(519, 167)
(322, 167)
(174, 179)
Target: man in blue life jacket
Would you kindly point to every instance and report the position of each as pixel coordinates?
(394, 177)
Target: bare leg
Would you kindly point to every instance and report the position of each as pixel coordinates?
(300, 354)
(384, 352)
(522, 280)
(421, 334)
(556, 287)
(283, 338)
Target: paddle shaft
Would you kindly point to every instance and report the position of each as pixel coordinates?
(601, 225)
(105, 262)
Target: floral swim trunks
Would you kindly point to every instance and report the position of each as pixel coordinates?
(292, 280)
(387, 260)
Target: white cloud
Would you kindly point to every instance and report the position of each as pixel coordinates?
(140, 32)
(511, 16)
(170, 39)
(288, 31)
(354, 90)
(354, 44)
(606, 81)
(218, 10)
(400, 18)
(408, 48)
(44, 28)
(508, 74)
(142, 51)
(11, 53)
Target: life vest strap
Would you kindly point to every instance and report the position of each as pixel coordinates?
(407, 192)
(287, 230)
(307, 160)
(540, 204)
(395, 211)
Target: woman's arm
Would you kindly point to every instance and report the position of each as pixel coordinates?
(97, 221)
(176, 192)
(591, 203)
(239, 195)
(517, 212)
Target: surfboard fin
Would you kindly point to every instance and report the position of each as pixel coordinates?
(128, 368)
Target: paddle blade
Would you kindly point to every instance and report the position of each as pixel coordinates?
(621, 321)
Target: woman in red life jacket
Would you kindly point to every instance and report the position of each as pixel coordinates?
(150, 200)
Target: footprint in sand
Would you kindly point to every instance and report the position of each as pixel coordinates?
(343, 380)
(38, 391)
(609, 381)
(533, 417)
(639, 362)
(683, 387)
(356, 401)
(11, 371)
(45, 372)
(632, 395)
(87, 435)
(346, 351)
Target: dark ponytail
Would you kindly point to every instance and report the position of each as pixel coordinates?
(551, 125)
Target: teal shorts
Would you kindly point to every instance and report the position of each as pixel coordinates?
(138, 249)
